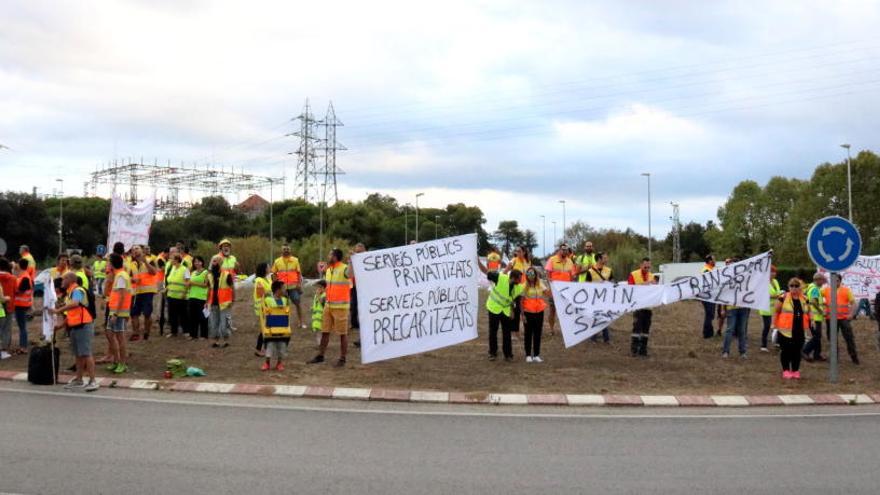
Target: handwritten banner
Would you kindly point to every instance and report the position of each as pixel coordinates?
(863, 278)
(585, 309)
(417, 298)
(130, 224)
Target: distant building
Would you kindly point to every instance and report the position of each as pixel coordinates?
(254, 206)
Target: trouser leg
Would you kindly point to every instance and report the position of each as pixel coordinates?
(765, 331)
(845, 328)
(527, 341)
(708, 318)
(506, 330)
(537, 332)
(494, 321)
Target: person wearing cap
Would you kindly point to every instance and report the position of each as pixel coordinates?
(286, 268)
(25, 253)
(767, 316)
(229, 268)
(561, 268)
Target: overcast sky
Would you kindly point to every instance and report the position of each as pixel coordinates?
(511, 106)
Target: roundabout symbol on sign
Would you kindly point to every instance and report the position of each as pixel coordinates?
(834, 243)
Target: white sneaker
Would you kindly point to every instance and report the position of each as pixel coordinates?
(764, 349)
(92, 386)
(74, 383)
(528, 359)
(5, 355)
(724, 355)
(537, 359)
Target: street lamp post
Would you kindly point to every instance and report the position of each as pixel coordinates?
(60, 216)
(417, 215)
(848, 180)
(648, 175)
(563, 220)
(554, 232)
(406, 224)
(544, 234)
(436, 223)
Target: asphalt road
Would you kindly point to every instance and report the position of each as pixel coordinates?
(135, 442)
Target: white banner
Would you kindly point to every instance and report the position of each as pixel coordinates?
(49, 300)
(417, 298)
(585, 309)
(863, 278)
(744, 283)
(130, 224)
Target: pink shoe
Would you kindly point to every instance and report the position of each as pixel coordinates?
(796, 375)
(265, 366)
(279, 367)
(787, 375)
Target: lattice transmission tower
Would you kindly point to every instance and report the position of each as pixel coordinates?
(316, 169)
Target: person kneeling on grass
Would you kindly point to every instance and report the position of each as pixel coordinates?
(275, 325)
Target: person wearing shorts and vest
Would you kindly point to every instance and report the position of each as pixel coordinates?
(81, 330)
(335, 318)
(286, 269)
(119, 304)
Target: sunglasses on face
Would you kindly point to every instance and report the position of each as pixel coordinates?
(794, 286)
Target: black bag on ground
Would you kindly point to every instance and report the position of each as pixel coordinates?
(40, 365)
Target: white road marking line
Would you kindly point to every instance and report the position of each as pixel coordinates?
(722, 415)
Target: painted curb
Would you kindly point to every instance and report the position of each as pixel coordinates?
(501, 399)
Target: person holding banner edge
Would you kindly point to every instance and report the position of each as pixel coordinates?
(767, 316)
(708, 307)
(506, 288)
(641, 317)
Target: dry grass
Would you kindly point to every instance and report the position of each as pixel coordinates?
(681, 362)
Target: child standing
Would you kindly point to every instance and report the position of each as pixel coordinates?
(275, 326)
(318, 302)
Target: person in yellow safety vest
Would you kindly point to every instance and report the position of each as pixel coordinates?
(533, 304)
(62, 266)
(24, 252)
(493, 259)
(275, 325)
(228, 266)
(80, 328)
(220, 302)
(560, 267)
(500, 303)
(845, 310)
(642, 317)
(600, 272)
(767, 316)
(197, 300)
(336, 310)
(99, 269)
(4, 344)
(584, 261)
(175, 292)
(149, 257)
(813, 349)
(709, 307)
(286, 269)
(791, 320)
(119, 305)
(145, 280)
(262, 289)
(319, 300)
(521, 263)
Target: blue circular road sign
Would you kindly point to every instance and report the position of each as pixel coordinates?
(834, 243)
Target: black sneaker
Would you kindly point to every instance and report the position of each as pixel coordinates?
(317, 359)
(508, 358)
(215, 344)
(339, 363)
(72, 368)
(855, 360)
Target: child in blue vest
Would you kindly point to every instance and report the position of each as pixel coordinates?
(275, 325)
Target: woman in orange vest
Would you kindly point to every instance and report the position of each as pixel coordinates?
(791, 319)
(533, 305)
(24, 299)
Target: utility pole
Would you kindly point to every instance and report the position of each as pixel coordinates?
(60, 216)
(848, 179)
(417, 214)
(564, 240)
(648, 175)
(544, 234)
(676, 234)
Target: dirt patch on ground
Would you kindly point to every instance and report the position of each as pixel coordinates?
(681, 362)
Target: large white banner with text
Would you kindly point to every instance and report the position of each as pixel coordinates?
(129, 224)
(417, 298)
(863, 278)
(585, 309)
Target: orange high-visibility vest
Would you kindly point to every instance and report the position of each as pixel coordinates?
(493, 262)
(120, 304)
(24, 299)
(144, 282)
(639, 279)
(338, 286)
(80, 315)
(288, 271)
(784, 320)
(559, 270)
(533, 298)
(844, 295)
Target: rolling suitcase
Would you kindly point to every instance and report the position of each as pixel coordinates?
(41, 368)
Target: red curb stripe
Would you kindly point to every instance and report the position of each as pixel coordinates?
(623, 400)
(874, 397)
(7, 375)
(695, 401)
(547, 399)
(252, 389)
(764, 400)
(319, 392)
(390, 395)
(463, 398)
(827, 399)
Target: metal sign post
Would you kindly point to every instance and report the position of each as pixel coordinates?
(834, 244)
